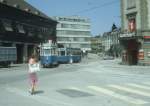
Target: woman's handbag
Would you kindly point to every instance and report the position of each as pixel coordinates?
(34, 67)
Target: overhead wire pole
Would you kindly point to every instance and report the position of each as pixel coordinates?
(95, 7)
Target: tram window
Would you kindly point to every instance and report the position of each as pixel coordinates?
(55, 51)
(47, 51)
(62, 53)
(69, 52)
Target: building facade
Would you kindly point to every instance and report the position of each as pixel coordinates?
(74, 32)
(24, 27)
(135, 31)
(111, 43)
(96, 44)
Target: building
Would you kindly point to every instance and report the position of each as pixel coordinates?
(111, 43)
(135, 31)
(96, 44)
(24, 27)
(74, 32)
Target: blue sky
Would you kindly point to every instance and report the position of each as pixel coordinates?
(102, 13)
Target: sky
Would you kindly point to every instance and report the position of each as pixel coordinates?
(102, 13)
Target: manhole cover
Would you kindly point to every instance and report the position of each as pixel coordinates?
(74, 93)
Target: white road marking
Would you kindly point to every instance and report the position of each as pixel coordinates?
(130, 90)
(139, 86)
(118, 96)
(75, 88)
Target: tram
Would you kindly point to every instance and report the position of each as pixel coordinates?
(69, 55)
(48, 55)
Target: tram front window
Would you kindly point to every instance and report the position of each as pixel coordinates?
(47, 52)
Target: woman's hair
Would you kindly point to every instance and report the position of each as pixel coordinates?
(33, 56)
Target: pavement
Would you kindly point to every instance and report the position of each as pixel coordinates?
(92, 82)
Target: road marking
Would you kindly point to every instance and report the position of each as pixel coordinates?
(118, 96)
(75, 88)
(38, 98)
(130, 90)
(81, 90)
(139, 86)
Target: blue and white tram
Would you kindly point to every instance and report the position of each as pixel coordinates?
(63, 55)
(48, 55)
(69, 55)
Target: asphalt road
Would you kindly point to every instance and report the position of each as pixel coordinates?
(93, 82)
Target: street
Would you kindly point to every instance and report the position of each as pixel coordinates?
(93, 82)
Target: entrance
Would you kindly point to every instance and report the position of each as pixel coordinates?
(19, 53)
(132, 52)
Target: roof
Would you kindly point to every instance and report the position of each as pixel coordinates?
(23, 5)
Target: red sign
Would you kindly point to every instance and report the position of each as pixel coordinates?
(147, 37)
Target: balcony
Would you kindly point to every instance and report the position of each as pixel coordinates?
(127, 35)
(130, 35)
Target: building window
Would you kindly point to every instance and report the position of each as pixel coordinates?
(16, 6)
(132, 25)
(40, 35)
(3, 1)
(75, 39)
(27, 9)
(30, 30)
(131, 4)
(20, 28)
(7, 25)
(37, 12)
(64, 32)
(75, 26)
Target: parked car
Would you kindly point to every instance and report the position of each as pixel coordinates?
(108, 58)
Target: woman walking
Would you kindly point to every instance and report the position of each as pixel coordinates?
(33, 68)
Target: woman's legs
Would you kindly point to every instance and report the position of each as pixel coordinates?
(33, 86)
(33, 79)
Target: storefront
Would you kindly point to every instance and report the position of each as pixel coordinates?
(131, 47)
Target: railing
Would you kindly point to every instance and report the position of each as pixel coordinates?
(125, 33)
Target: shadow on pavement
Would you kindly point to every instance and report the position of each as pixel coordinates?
(38, 92)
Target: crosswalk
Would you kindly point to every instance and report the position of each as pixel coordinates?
(136, 94)
(133, 93)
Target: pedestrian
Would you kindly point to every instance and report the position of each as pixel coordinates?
(33, 68)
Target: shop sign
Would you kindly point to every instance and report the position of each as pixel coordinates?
(146, 37)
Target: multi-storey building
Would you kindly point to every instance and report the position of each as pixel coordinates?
(135, 37)
(24, 27)
(111, 42)
(74, 32)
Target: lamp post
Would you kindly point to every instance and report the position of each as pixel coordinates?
(70, 55)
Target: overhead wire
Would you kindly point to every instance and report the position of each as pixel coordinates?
(96, 7)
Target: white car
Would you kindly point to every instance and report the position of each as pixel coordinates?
(108, 58)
